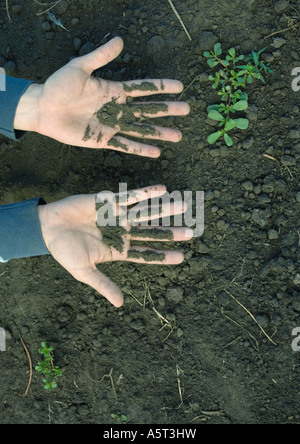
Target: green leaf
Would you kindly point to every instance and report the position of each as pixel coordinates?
(215, 115)
(242, 123)
(218, 49)
(230, 125)
(226, 62)
(212, 138)
(207, 54)
(211, 107)
(232, 52)
(212, 63)
(255, 57)
(244, 96)
(228, 140)
(240, 106)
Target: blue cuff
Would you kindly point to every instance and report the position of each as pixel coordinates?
(11, 90)
(20, 231)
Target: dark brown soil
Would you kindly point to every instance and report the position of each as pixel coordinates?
(236, 294)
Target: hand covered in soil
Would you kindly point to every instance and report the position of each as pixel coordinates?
(75, 240)
(79, 109)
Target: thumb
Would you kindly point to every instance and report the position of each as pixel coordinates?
(102, 284)
(101, 56)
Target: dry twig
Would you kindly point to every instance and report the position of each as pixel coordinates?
(179, 18)
(7, 10)
(30, 366)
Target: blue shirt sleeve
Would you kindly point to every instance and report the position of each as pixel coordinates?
(20, 231)
(11, 90)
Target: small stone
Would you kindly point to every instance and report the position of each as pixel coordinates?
(281, 5)
(294, 133)
(207, 40)
(127, 58)
(175, 294)
(202, 248)
(50, 35)
(17, 8)
(278, 42)
(247, 143)
(296, 280)
(260, 218)
(248, 186)
(263, 320)
(288, 160)
(46, 26)
(251, 113)
(86, 48)
(10, 68)
(273, 234)
(77, 43)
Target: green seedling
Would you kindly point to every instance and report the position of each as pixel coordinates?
(234, 74)
(118, 417)
(47, 367)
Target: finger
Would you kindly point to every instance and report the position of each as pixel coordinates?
(101, 56)
(103, 285)
(148, 87)
(134, 196)
(144, 213)
(159, 109)
(161, 234)
(144, 255)
(131, 147)
(151, 132)
(127, 198)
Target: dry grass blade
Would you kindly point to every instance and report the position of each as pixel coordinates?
(52, 5)
(252, 317)
(179, 18)
(7, 10)
(30, 367)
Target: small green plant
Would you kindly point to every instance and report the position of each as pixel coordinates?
(235, 72)
(47, 367)
(118, 417)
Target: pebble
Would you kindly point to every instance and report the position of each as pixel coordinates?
(77, 43)
(278, 42)
(156, 48)
(202, 248)
(273, 234)
(296, 280)
(17, 8)
(281, 5)
(248, 186)
(247, 143)
(10, 68)
(175, 294)
(294, 133)
(260, 217)
(86, 48)
(46, 26)
(207, 40)
(288, 160)
(251, 113)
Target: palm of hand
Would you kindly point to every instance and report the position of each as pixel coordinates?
(71, 98)
(72, 237)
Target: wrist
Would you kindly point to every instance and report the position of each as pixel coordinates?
(42, 211)
(28, 110)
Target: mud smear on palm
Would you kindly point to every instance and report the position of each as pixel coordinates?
(147, 255)
(127, 117)
(112, 236)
